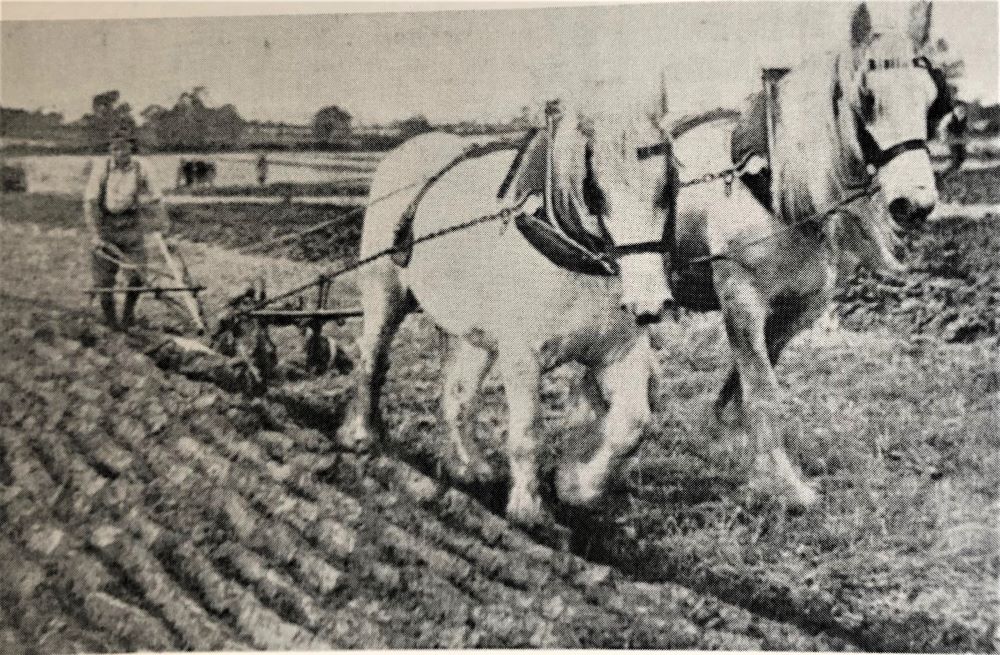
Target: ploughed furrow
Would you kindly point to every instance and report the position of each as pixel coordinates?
(28, 596)
(116, 591)
(189, 620)
(40, 550)
(274, 597)
(465, 527)
(145, 510)
(449, 569)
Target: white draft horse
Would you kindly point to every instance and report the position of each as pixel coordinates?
(506, 306)
(855, 118)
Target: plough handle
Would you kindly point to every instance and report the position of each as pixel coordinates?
(175, 270)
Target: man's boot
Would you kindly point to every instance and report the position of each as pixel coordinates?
(108, 309)
(128, 309)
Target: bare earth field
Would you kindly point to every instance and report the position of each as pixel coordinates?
(145, 507)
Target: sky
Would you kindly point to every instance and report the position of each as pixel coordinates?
(448, 65)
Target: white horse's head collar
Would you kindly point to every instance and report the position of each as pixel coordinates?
(893, 100)
(614, 189)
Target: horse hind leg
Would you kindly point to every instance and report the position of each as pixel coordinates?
(466, 368)
(385, 303)
(785, 321)
(745, 313)
(619, 394)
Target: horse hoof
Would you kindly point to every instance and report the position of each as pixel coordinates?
(573, 489)
(778, 477)
(524, 508)
(354, 436)
(793, 494)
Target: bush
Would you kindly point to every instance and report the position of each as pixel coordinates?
(14, 178)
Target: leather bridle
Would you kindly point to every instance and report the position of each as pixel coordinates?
(661, 246)
(872, 154)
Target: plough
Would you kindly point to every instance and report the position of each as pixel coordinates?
(176, 271)
(244, 332)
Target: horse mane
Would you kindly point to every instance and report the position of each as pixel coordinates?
(817, 161)
(816, 157)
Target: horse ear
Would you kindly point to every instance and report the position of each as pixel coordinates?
(861, 27)
(920, 23)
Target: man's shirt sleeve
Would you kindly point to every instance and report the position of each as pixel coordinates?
(92, 191)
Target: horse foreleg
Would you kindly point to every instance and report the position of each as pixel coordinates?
(521, 376)
(745, 312)
(384, 304)
(619, 394)
(466, 368)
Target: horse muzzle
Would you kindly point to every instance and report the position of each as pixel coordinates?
(644, 288)
(909, 188)
(910, 211)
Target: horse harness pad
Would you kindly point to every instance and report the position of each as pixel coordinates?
(561, 236)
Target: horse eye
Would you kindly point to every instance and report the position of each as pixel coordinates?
(867, 106)
(871, 64)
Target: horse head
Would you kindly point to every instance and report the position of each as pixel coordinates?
(613, 174)
(889, 96)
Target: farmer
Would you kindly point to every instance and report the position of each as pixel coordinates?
(118, 201)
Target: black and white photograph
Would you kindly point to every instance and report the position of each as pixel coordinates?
(667, 325)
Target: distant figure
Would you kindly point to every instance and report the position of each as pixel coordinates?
(262, 169)
(953, 132)
(117, 201)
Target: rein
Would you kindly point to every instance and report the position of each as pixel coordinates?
(820, 216)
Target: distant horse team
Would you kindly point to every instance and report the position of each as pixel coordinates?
(847, 169)
(195, 172)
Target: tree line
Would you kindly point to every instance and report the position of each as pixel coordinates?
(192, 124)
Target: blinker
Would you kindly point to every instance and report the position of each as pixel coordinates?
(645, 152)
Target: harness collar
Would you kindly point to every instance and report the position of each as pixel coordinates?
(601, 250)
